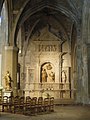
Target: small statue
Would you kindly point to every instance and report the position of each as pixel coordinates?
(64, 76)
(44, 75)
(7, 79)
(52, 76)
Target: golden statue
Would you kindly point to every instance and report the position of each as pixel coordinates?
(7, 79)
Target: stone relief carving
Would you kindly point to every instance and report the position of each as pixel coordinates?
(31, 75)
(52, 76)
(47, 48)
(64, 76)
(47, 73)
(44, 75)
(49, 67)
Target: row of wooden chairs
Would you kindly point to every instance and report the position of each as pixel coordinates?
(27, 105)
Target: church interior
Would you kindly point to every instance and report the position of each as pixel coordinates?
(45, 50)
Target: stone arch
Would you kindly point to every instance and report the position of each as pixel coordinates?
(62, 9)
(1, 4)
(59, 8)
(4, 22)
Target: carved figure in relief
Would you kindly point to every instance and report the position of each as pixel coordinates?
(52, 76)
(8, 80)
(64, 77)
(49, 67)
(44, 75)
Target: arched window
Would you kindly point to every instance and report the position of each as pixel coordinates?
(4, 24)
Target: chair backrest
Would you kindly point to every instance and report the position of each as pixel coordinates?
(40, 100)
(10, 99)
(21, 100)
(46, 101)
(16, 100)
(52, 101)
(5, 99)
(33, 101)
(0, 99)
(28, 100)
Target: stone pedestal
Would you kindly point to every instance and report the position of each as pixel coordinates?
(7, 93)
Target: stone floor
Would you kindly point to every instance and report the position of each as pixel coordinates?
(60, 113)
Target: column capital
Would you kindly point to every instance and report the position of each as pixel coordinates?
(11, 48)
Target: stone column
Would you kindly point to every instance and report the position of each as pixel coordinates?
(88, 62)
(85, 75)
(1, 75)
(0, 70)
(85, 51)
(79, 73)
(11, 62)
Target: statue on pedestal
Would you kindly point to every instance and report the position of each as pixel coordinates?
(8, 80)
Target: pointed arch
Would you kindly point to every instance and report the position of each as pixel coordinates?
(22, 16)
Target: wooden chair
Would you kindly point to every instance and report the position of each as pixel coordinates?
(21, 104)
(34, 105)
(10, 103)
(0, 102)
(4, 104)
(40, 105)
(16, 104)
(27, 105)
(51, 107)
(46, 105)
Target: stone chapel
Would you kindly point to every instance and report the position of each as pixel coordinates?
(45, 47)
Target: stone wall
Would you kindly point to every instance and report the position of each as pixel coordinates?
(44, 52)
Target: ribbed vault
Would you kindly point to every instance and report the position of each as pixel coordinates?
(60, 11)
